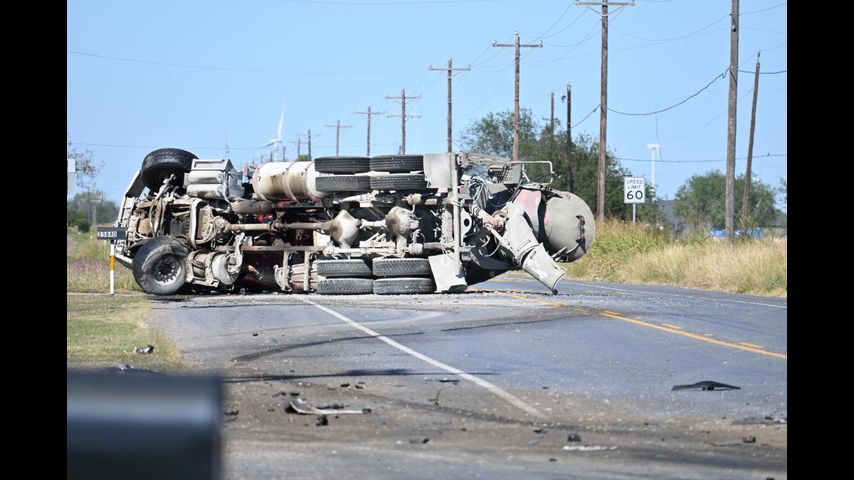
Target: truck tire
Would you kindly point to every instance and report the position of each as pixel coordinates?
(343, 183)
(345, 286)
(160, 266)
(397, 163)
(159, 164)
(402, 286)
(344, 268)
(398, 182)
(342, 164)
(402, 267)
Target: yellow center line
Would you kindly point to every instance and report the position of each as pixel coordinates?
(751, 345)
(675, 327)
(665, 328)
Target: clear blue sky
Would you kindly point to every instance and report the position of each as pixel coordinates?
(187, 74)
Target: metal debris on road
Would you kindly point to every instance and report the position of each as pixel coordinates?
(416, 440)
(540, 430)
(321, 420)
(749, 439)
(450, 380)
(586, 448)
(573, 437)
(705, 385)
(300, 406)
(145, 349)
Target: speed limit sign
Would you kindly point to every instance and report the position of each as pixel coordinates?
(634, 190)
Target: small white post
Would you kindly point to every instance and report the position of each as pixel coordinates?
(634, 212)
(112, 268)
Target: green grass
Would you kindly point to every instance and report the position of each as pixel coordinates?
(103, 330)
(623, 252)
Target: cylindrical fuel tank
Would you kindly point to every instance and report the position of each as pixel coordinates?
(564, 222)
(286, 181)
(569, 223)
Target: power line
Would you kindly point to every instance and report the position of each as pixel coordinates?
(233, 69)
(765, 73)
(386, 3)
(763, 10)
(556, 22)
(678, 37)
(722, 75)
(769, 155)
(587, 116)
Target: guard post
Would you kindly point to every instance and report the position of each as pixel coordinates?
(112, 234)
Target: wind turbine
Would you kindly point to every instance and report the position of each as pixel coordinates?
(274, 142)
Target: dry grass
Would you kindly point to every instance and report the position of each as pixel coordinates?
(87, 266)
(623, 252)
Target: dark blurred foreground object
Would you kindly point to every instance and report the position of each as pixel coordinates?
(142, 426)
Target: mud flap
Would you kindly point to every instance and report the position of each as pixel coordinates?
(449, 275)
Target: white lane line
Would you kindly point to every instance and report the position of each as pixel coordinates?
(494, 389)
(677, 295)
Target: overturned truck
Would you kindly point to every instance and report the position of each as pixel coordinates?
(392, 224)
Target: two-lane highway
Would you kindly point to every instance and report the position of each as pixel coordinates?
(496, 379)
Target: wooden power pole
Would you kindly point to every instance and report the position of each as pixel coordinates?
(603, 101)
(733, 99)
(553, 114)
(569, 178)
(450, 71)
(368, 114)
(745, 200)
(403, 116)
(518, 47)
(338, 128)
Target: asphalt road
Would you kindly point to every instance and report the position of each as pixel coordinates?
(496, 380)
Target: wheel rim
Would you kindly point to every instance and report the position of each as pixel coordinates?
(166, 270)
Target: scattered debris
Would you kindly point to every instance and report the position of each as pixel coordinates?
(232, 413)
(284, 394)
(254, 334)
(552, 459)
(450, 380)
(705, 385)
(586, 448)
(300, 406)
(435, 400)
(533, 442)
(540, 430)
(766, 420)
(145, 349)
(125, 369)
(416, 440)
(359, 386)
(573, 437)
(321, 420)
(749, 439)
(345, 385)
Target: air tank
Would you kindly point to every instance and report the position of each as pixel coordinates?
(286, 181)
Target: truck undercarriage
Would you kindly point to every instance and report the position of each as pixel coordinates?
(389, 224)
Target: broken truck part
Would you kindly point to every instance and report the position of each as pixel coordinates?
(392, 224)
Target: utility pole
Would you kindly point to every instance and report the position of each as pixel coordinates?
(553, 113)
(94, 201)
(338, 128)
(298, 143)
(309, 145)
(368, 114)
(450, 71)
(403, 115)
(733, 98)
(603, 101)
(570, 181)
(518, 47)
(745, 203)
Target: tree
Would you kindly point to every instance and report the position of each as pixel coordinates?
(87, 168)
(493, 134)
(85, 203)
(701, 200)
